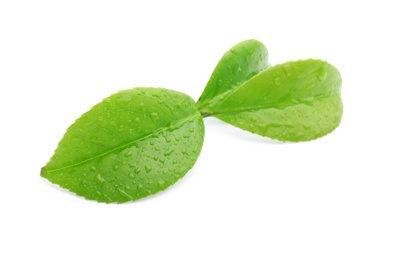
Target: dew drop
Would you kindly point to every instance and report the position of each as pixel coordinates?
(167, 139)
(115, 167)
(154, 114)
(156, 95)
(172, 128)
(236, 70)
(125, 194)
(93, 168)
(128, 154)
(277, 81)
(310, 86)
(148, 168)
(100, 179)
(322, 74)
(161, 183)
(132, 176)
(169, 152)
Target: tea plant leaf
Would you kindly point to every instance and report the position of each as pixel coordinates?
(133, 144)
(239, 64)
(294, 101)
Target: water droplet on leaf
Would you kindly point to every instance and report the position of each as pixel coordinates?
(100, 179)
(169, 152)
(277, 81)
(322, 74)
(128, 154)
(148, 168)
(154, 114)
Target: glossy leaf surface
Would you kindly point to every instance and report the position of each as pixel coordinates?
(239, 64)
(294, 101)
(133, 144)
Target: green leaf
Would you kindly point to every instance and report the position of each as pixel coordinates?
(239, 64)
(133, 144)
(294, 101)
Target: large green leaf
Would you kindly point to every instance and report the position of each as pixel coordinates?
(239, 64)
(134, 143)
(294, 101)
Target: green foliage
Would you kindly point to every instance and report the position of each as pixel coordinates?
(138, 142)
(294, 101)
(133, 144)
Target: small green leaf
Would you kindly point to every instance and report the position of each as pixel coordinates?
(239, 64)
(294, 101)
(133, 144)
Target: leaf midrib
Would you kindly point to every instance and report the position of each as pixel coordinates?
(160, 130)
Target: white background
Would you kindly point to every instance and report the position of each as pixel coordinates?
(247, 197)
